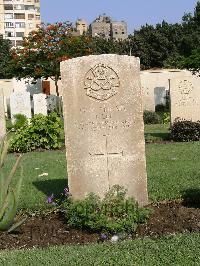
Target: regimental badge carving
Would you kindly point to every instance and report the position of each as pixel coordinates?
(101, 82)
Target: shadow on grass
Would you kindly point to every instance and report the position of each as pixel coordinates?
(49, 187)
(159, 136)
(191, 198)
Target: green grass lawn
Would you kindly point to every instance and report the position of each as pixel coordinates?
(36, 188)
(174, 250)
(173, 170)
(157, 132)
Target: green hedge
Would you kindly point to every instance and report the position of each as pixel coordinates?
(184, 131)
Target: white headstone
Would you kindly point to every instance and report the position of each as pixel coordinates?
(185, 99)
(19, 85)
(2, 115)
(20, 104)
(40, 104)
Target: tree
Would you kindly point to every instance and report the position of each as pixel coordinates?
(101, 45)
(164, 45)
(154, 44)
(191, 26)
(191, 41)
(192, 62)
(5, 58)
(44, 49)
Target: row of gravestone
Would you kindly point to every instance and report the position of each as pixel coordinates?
(104, 130)
(184, 99)
(20, 103)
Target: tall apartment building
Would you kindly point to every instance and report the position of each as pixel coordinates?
(101, 26)
(104, 26)
(81, 26)
(18, 18)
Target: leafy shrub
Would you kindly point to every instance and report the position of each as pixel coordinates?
(166, 118)
(151, 117)
(43, 132)
(113, 214)
(20, 121)
(185, 131)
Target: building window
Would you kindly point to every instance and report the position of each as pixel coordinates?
(19, 34)
(19, 16)
(9, 34)
(8, 7)
(19, 7)
(37, 17)
(20, 25)
(8, 16)
(30, 16)
(9, 25)
(29, 7)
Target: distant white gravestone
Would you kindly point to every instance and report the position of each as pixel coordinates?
(185, 99)
(20, 104)
(40, 104)
(2, 116)
(52, 102)
(104, 128)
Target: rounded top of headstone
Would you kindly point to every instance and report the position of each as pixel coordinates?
(103, 57)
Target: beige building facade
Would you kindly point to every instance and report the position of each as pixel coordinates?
(18, 18)
(119, 30)
(81, 26)
(104, 26)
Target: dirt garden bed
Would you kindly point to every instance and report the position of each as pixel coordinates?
(45, 230)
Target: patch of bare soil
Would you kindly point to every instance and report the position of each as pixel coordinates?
(47, 230)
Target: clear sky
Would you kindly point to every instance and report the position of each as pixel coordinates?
(134, 12)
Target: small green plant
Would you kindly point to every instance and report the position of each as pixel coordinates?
(9, 125)
(166, 118)
(114, 214)
(185, 131)
(20, 121)
(42, 132)
(8, 195)
(151, 117)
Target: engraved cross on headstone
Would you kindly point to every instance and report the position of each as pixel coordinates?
(108, 155)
